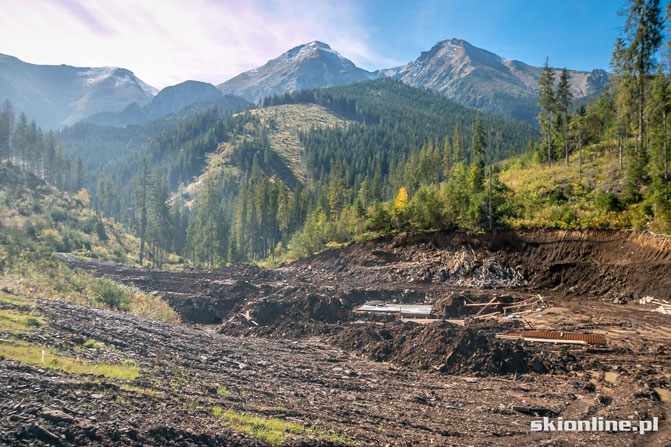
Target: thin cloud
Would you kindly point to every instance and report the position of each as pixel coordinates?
(79, 12)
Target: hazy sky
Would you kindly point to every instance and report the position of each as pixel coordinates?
(168, 41)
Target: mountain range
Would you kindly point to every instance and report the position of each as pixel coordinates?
(171, 100)
(62, 95)
(486, 81)
(58, 95)
(462, 72)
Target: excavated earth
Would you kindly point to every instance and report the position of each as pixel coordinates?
(286, 344)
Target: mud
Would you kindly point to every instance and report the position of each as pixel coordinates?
(373, 403)
(580, 275)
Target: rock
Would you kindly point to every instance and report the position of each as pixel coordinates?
(44, 434)
(538, 366)
(604, 399)
(536, 411)
(589, 387)
(56, 415)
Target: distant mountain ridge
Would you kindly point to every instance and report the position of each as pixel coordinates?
(170, 100)
(484, 80)
(59, 95)
(472, 76)
(312, 65)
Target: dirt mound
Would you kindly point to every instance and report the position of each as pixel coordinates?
(439, 346)
(590, 262)
(429, 259)
(582, 262)
(421, 269)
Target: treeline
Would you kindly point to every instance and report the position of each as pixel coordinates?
(631, 118)
(23, 143)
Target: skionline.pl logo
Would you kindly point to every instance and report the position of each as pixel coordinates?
(595, 424)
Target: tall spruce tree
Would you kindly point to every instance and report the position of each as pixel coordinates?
(635, 56)
(564, 102)
(479, 146)
(6, 128)
(547, 102)
(140, 199)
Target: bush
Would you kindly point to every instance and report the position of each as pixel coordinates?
(110, 294)
(565, 217)
(58, 215)
(609, 202)
(557, 196)
(379, 220)
(100, 231)
(52, 238)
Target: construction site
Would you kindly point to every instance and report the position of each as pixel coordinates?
(434, 339)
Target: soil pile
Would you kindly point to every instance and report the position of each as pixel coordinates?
(439, 346)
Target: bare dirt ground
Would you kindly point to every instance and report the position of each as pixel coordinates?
(285, 344)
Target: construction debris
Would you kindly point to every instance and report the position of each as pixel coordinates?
(555, 337)
(387, 308)
(663, 306)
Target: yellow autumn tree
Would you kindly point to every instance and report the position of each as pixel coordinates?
(401, 202)
(83, 197)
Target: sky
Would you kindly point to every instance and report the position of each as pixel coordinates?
(165, 42)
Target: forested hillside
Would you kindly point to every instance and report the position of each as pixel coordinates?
(371, 139)
(97, 142)
(614, 151)
(25, 144)
(37, 220)
(328, 166)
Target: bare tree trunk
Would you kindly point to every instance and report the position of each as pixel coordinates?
(579, 155)
(619, 144)
(549, 140)
(666, 160)
(566, 136)
(491, 155)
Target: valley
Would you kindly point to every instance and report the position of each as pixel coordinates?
(461, 250)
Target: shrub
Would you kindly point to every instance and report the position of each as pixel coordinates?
(608, 202)
(111, 294)
(52, 238)
(557, 196)
(100, 231)
(58, 215)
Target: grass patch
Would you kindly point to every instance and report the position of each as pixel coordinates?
(14, 322)
(273, 430)
(139, 390)
(180, 378)
(32, 354)
(16, 300)
(558, 197)
(222, 390)
(91, 343)
(52, 280)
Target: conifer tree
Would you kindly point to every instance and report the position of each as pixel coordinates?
(6, 128)
(547, 102)
(80, 175)
(564, 101)
(479, 146)
(635, 57)
(140, 196)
